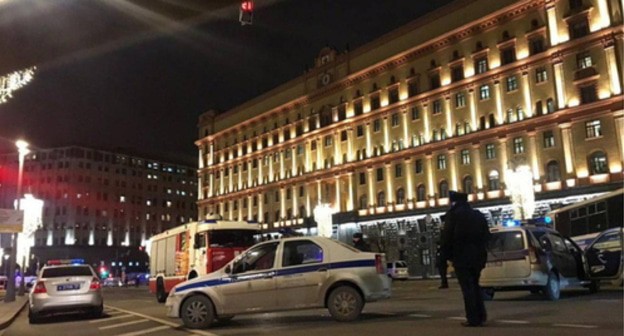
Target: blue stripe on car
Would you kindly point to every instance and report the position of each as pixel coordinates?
(281, 272)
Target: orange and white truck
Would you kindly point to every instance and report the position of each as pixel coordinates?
(195, 249)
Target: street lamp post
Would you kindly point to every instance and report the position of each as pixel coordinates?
(22, 148)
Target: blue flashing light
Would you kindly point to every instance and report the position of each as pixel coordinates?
(548, 220)
(210, 221)
(511, 223)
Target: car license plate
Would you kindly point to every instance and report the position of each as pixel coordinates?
(67, 287)
(494, 264)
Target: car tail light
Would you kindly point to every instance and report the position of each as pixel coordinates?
(379, 264)
(533, 259)
(95, 284)
(39, 288)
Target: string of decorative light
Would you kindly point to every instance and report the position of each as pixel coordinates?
(15, 81)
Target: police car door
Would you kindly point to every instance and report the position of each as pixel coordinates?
(252, 281)
(302, 274)
(604, 255)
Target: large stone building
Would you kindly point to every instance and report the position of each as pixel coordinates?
(97, 198)
(455, 100)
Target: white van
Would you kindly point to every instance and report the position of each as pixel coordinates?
(398, 270)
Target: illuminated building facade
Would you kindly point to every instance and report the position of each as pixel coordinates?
(96, 198)
(452, 101)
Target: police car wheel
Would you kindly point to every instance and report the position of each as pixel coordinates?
(552, 290)
(32, 317)
(197, 312)
(345, 304)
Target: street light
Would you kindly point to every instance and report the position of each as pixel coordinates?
(22, 149)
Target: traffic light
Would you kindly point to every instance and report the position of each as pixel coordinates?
(246, 12)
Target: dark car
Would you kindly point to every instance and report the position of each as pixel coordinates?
(604, 256)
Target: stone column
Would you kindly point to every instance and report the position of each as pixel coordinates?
(568, 149)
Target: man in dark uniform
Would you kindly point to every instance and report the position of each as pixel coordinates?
(359, 243)
(464, 242)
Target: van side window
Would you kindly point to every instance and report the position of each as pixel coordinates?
(506, 241)
(557, 242)
(300, 252)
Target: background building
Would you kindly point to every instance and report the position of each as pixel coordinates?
(455, 100)
(100, 205)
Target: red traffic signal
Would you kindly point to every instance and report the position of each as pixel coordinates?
(246, 12)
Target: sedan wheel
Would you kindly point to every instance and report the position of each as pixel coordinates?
(197, 312)
(345, 304)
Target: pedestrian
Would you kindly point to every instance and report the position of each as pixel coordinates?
(464, 243)
(359, 243)
(442, 266)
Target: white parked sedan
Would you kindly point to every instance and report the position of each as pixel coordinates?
(292, 273)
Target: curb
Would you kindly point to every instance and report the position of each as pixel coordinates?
(7, 322)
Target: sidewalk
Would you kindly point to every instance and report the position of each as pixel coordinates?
(9, 311)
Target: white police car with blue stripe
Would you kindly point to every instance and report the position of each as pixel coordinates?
(286, 274)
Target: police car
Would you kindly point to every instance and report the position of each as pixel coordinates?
(533, 257)
(286, 274)
(63, 286)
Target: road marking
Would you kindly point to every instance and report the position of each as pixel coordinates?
(112, 312)
(110, 319)
(420, 315)
(145, 331)
(582, 326)
(123, 324)
(513, 321)
(165, 322)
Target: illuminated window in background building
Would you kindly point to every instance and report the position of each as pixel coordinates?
(380, 175)
(444, 189)
(553, 173)
(583, 60)
(541, 75)
(536, 45)
(493, 181)
(484, 92)
(362, 178)
(375, 102)
(465, 156)
(578, 28)
(437, 106)
(363, 202)
(481, 65)
(381, 198)
(376, 125)
(549, 139)
(598, 163)
(467, 185)
(418, 166)
(395, 119)
(512, 83)
(457, 73)
(550, 105)
(415, 113)
(460, 100)
(518, 145)
(398, 170)
(122, 199)
(421, 193)
(441, 162)
(400, 196)
(593, 129)
(508, 55)
(490, 151)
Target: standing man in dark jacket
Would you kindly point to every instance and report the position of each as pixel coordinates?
(359, 243)
(464, 242)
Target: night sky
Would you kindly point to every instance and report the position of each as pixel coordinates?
(115, 74)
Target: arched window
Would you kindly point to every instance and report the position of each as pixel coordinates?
(443, 189)
(467, 185)
(400, 196)
(381, 199)
(363, 202)
(493, 181)
(420, 193)
(552, 171)
(598, 163)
